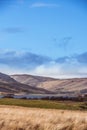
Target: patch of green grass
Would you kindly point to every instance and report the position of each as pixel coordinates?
(65, 105)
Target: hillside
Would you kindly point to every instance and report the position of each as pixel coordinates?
(55, 85)
(9, 85)
(31, 80)
(66, 85)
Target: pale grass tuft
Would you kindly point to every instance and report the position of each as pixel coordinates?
(19, 118)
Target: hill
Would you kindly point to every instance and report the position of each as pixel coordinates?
(76, 85)
(10, 85)
(31, 80)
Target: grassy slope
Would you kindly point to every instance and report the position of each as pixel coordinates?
(67, 105)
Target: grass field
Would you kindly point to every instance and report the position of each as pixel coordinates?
(65, 105)
(21, 118)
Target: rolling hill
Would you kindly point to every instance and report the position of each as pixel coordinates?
(41, 85)
(31, 80)
(10, 85)
(75, 85)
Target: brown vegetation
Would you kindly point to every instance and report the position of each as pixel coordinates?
(9, 85)
(19, 118)
(54, 85)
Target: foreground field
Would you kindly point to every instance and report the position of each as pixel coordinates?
(20, 118)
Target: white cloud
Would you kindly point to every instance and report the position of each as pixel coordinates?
(38, 5)
(11, 70)
(61, 71)
(12, 62)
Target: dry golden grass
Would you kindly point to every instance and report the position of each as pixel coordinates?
(19, 118)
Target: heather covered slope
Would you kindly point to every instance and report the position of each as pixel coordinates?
(8, 84)
(54, 85)
(66, 85)
(30, 79)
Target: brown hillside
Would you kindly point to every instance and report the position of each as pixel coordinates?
(54, 85)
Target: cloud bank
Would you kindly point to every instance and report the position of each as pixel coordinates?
(12, 62)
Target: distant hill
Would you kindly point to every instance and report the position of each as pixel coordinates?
(41, 85)
(31, 80)
(10, 85)
(77, 85)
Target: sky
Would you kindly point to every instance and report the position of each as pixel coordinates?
(44, 37)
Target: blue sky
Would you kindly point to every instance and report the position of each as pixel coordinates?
(41, 35)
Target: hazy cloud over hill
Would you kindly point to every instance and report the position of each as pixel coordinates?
(26, 62)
